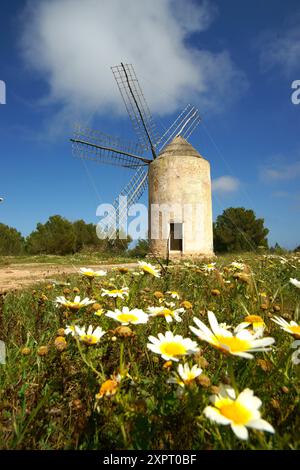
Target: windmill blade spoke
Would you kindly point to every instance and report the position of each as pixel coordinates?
(136, 106)
(183, 125)
(100, 138)
(133, 192)
(106, 155)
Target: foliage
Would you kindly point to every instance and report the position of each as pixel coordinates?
(48, 400)
(119, 244)
(141, 249)
(57, 236)
(85, 235)
(238, 230)
(277, 249)
(11, 241)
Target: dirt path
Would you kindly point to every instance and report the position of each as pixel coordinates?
(17, 276)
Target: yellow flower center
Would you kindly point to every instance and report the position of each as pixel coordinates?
(73, 305)
(148, 270)
(233, 343)
(295, 330)
(89, 273)
(99, 312)
(253, 319)
(127, 317)
(167, 312)
(89, 339)
(235, 411)
(172, 349)
(109, 387)
(189, 378)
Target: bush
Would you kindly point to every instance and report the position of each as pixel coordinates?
(141, 249)
(11, 241)
(57, 236)
(238, 230)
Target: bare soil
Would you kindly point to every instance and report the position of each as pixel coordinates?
(17, 276)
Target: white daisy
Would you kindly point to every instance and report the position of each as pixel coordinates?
(90, 336)
(295, 282)
(173, 294)
(76, 304)
(185, 375)
(209, 267)
(257, 324)
(120, 293)
(126, 316)
(296, 354)
(70, 330)
(239, 343)
(89, 272)
(236, 265)
(293, 328)
(148, 268)
(168, 313)
(240, 412)
(170, 346)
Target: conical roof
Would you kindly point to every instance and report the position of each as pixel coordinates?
(179, 147)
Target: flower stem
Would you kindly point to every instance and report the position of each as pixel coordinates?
(232, 376)
(85, 360)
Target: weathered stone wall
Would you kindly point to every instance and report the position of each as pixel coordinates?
(180, 178)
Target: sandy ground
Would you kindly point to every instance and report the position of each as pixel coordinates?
(17, 276)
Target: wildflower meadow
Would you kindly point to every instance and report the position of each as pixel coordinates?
(189, 355)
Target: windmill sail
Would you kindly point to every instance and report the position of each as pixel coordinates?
(184, 125)
(102, 148)
(133, 192)
(136, 106)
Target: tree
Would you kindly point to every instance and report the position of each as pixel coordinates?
(238, 229)
(277, 249)
(141, 249)
(11, 241)
(56, 236)
(86, 237)
(85, 234)
(118, 245)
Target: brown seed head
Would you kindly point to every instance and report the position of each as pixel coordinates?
(158, 295)
(186, 304)
(123, 332)
(215, 292)
(42, 351)
(25, 351)
(96, 307)
(60, 343)
(204, 381)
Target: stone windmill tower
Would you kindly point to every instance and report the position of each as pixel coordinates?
(180, 207)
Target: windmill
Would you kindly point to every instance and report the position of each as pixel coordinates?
(96, 146)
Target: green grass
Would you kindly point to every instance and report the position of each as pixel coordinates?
(48, 402)
(78, 259)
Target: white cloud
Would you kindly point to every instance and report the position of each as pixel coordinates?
(281, 49)
(73, 43)
(280, 172)
(225, 185)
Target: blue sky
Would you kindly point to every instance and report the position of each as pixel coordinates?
(235, 60)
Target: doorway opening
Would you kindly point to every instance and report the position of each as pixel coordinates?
(176, 236)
